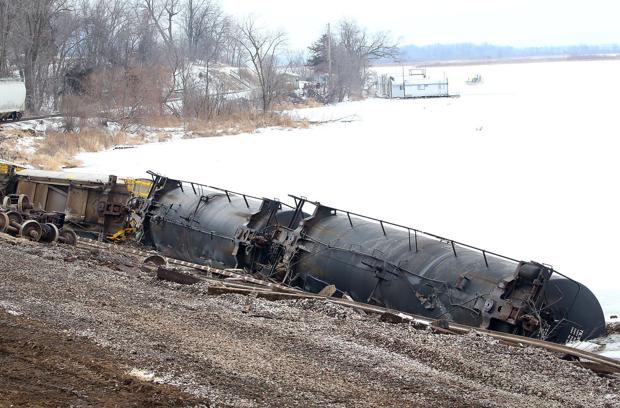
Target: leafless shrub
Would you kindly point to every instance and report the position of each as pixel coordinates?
(123, 95)
(263, 49)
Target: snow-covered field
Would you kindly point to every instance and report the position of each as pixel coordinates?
(525, 164)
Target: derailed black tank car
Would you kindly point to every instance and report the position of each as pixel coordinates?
(371, 260)
(416, 272)
(206, 225)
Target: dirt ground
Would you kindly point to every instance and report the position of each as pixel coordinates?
(42, 366)
(90, 328)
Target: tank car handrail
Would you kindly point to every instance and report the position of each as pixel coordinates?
(224, 190)
(451, 241)
(415, 231)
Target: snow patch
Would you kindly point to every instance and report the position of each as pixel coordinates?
(145, 375)
(10, 308)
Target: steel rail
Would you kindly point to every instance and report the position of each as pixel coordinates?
(510, 338)
(441, 326)
(54, 115)
(216, 271)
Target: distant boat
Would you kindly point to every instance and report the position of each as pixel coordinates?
(474, 80)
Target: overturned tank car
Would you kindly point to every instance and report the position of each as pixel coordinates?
(370, 260)
(212, 226)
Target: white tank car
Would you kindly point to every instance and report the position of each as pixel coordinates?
(12, 99)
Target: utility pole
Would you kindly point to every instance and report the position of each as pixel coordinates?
(329, 57)
(404, 85)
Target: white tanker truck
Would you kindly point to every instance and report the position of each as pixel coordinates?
(12, 99)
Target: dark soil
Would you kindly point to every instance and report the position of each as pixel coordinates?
(42, 367)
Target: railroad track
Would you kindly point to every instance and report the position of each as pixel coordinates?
(54, 115)
(224, 273)
(247, 285)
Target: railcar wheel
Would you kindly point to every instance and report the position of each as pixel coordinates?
(15, 217)
(68, 236)
(23, 203)
(4, 222)
(31, 230)
(50, 233)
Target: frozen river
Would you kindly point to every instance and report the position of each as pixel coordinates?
(524, 164)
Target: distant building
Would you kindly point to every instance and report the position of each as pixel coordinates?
(290, 80)
(415, 85)
(426, 88)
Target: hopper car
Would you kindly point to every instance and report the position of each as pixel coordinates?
(93, 206)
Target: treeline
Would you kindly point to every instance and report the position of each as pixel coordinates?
(131, 55)
(469, 51)
(130, 58)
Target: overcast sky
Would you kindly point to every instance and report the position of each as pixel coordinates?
(503, 22)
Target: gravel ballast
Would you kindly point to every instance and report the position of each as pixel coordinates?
(241, 351)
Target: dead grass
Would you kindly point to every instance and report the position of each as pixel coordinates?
(10, 152)
(163, 137)
(244, 122)
(307, 103)
(56, 162)
(57, 149)
(163, 121)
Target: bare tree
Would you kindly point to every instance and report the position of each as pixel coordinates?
(33, 40)
(205, 28)
(350, 50)
(203, 21)
(122, 57)
(163, 14)
(295, 62)
(105, 33)
(8, 11)
(60, 56)
(233, 52)
(263, 49)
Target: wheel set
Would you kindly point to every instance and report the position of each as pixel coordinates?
(19, 218)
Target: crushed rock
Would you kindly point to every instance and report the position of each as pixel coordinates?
(245, 351)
